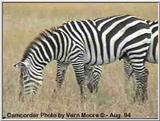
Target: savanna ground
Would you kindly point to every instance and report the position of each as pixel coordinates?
(21, 24)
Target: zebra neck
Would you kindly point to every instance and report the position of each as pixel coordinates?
(32, 65)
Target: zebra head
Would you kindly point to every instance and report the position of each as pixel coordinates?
(29, 82)
(93, 81)
(93, 75)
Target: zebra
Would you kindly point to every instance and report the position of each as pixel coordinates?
(93, 73)
(92, 42)
(152, 55)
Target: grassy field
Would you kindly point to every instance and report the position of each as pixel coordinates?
(23, 22)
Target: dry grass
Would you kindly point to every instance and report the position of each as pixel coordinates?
(22, 22)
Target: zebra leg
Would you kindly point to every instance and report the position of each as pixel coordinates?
(88, 74)
(141, 77)
(129, 80)
(127, 69)
(141, 86)
(61, 70)
(80, 76)
(93, 74)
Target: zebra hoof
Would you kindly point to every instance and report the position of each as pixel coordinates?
(141, 98)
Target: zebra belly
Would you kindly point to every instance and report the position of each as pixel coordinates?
(92, 60)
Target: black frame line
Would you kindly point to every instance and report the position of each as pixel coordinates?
(5, 118)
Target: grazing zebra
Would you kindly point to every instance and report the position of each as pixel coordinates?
(92, 42)
(152, 56)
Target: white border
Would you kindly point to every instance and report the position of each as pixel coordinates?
(81, 1)
(1, 74)
(158, 62)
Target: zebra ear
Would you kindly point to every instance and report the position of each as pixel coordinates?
(19, 65)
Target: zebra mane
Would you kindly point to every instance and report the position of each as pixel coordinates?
(151, 22)
(43, 34)
(56, 28)
(27, 50)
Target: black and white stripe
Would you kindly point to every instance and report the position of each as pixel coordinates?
(152, 55)
(91, 42)
(92, 75)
